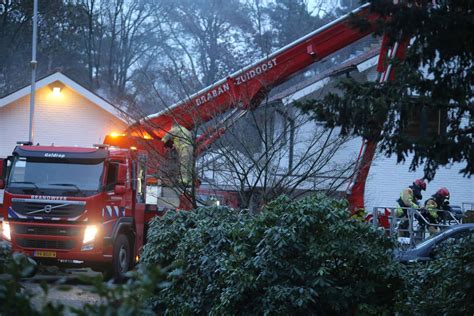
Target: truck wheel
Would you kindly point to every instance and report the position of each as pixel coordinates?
(121, 257)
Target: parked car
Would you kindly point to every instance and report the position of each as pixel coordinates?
(426, 250)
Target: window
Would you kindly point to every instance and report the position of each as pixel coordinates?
(112, 173)
(450, 241)
(52, 174)
(421, 121)
(455, 238)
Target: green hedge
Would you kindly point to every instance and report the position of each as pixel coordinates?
(295, 257)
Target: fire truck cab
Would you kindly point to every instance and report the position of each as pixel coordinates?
(76, 205)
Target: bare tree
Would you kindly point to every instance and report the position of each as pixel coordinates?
(276, 150)
(262, 37)
(209, 34)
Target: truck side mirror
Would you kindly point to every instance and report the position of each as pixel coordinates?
(5, 163)
(120, 189)
(3, 172)
(122, 174)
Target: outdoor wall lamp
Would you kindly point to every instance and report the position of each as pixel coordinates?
(56, 87)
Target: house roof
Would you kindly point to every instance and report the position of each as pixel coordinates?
(57, 76)
(301, 89)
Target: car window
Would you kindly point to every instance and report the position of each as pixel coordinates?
(455, 238)
(430, 239)
(439, 237)
(451, 240)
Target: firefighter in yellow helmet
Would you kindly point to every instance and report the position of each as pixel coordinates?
(409, 198)
(182, 142)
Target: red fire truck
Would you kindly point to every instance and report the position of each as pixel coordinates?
(73, 204)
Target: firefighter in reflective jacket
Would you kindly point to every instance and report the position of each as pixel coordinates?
(438, 202)
(409, 198)
(182, 142)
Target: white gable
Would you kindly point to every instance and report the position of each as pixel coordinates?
(76, 117)
(68, 82)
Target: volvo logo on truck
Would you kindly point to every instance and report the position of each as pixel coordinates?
(47, 209)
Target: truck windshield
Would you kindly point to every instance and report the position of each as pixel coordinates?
(51, 175)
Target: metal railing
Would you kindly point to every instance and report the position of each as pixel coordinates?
(467, 206)
(419, 226)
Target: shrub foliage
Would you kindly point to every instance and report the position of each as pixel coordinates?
(443, 286)
(294, 257)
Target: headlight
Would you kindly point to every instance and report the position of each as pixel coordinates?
(6, 231)
(89, 234)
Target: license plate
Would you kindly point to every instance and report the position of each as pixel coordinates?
(45, 254)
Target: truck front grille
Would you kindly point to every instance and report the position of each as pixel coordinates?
(45, 230)
(45, 244)
(48, 208)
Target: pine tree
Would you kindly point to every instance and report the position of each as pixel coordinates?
(427, 110)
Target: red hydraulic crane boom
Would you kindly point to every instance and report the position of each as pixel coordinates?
(245, 89)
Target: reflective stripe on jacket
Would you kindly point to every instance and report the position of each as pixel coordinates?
(432, 207)
(407, 199)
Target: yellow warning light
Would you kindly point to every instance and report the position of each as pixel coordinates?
(146, 136)
(116, 134)
(133, 148)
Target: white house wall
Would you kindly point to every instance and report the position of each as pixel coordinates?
(68, 119)
(387, 178)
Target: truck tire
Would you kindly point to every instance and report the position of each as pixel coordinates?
(121, 260)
